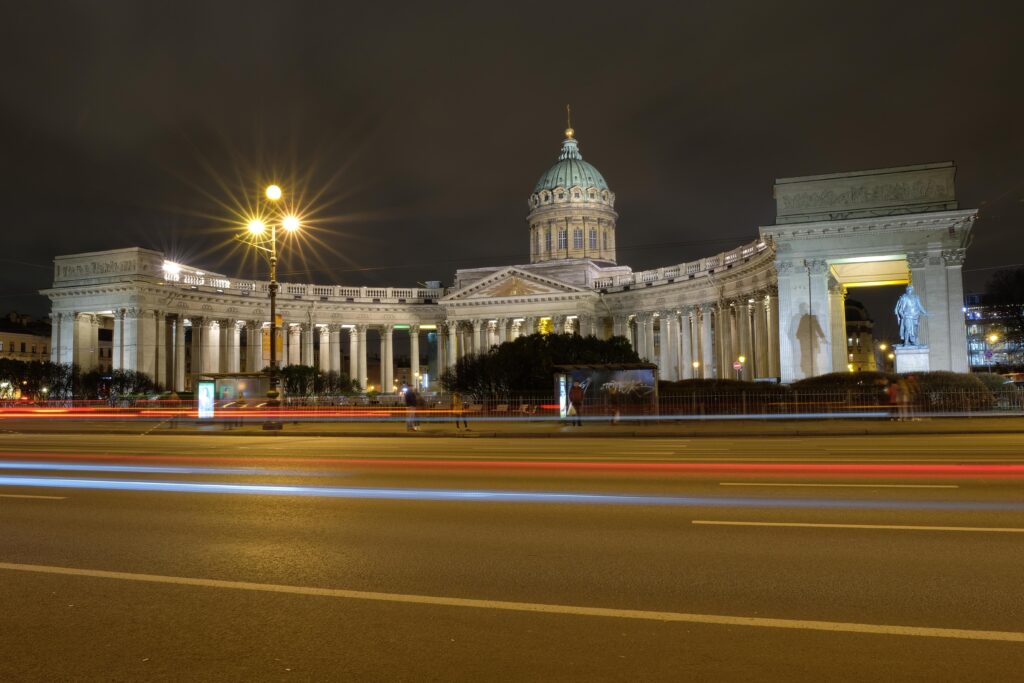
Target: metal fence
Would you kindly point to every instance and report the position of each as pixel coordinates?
(439, 407)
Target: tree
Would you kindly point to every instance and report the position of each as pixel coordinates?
(526, 364)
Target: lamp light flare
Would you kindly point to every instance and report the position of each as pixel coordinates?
(256, 226)
(291, 223)
(273, 192)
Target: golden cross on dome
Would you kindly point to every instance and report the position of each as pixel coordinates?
(569, 132)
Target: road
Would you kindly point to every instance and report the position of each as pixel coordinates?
(289, 558)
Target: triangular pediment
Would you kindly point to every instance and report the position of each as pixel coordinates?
(513, 283)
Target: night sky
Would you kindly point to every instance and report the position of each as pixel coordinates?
(414, 135)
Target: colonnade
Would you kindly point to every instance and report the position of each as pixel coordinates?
(155, 343)
(706, 341)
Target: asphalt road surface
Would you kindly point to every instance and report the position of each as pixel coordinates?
(290, 558)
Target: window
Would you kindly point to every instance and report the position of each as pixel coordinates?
(593, 238)
(23, 347)
(577, 238)
(547, 240)
(563, 238)
(1, 346)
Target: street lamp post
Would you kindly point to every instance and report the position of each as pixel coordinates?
(264, 238)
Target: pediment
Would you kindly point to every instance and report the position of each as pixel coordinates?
(513, 283)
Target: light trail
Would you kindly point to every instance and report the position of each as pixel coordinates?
(141, 469)
(449, 495)
(837, 469)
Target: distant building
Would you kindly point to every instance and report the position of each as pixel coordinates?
(860, 338)
(23, 337)
(991, 343)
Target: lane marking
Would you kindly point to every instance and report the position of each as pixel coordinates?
(538, 608)
(843, 486)
(893, 527)
(17, 495)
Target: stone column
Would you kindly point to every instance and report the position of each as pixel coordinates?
(179, 353)
(478, 326)
(667, 362)
(160, 323)
(954, 262)
(146, 344)
(200, 345)
(620, 324)
(222, 346)
(55, 337)
(306, 357)
(707, 348)
(254, 346)
(773, 333)
(360, 331)
(324, 348)
(723, 335)
(234, 346)
(441, 334)
(502, 330)
(558, 324)
(353, 352)
(334, 350)
(686, 345)
(414, 356)
(68, 326)
(760, 336)
(129, 339)
(529, 326)
(387, 358)
(294, 344)
(117, 349)
(452, 344)
(805, 344)
(746, 347)
(837, 318)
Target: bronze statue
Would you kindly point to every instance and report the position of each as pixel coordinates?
(908, 312)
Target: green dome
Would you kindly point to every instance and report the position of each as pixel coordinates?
(571, 171)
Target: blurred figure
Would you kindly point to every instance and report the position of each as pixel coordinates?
(458, 410)
(576, 404)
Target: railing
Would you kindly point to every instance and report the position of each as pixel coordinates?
(336, 292)
(695, 268)
(766, 404)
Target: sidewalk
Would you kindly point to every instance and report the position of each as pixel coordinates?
(708, 427)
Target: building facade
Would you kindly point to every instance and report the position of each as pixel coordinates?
(776, 302)
(994, 335)
(24, 338)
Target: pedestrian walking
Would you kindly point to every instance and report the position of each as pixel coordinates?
(576, 404)
(411, 399)
(458, 410)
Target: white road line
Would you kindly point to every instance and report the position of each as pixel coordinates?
(894, 527)
(15, 495)
(842, 486)
(540, 608)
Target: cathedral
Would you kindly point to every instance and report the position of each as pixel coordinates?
(772, 308)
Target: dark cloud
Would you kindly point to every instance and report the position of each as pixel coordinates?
(421, 129)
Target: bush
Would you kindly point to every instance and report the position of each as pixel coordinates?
(722, 396)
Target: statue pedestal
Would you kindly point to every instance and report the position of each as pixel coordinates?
(911, 358)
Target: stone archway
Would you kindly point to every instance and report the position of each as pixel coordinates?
(863, 229)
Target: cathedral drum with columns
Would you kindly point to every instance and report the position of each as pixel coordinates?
(777, 301)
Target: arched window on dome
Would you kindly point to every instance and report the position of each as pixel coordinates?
(577, 238)
(563, 239)
(593, 239)
(547, 240)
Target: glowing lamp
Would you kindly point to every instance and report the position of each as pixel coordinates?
(273, 193)
(291, 223)
(256, 227)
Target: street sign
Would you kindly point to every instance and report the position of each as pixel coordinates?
(737, 365)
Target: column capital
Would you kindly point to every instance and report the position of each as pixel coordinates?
(917, 259)
(818, 266)
(414, 328)
(706, 307)
(643, 316)
(387, 329)
(954, 257)
(477, 325)
(668, 313)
